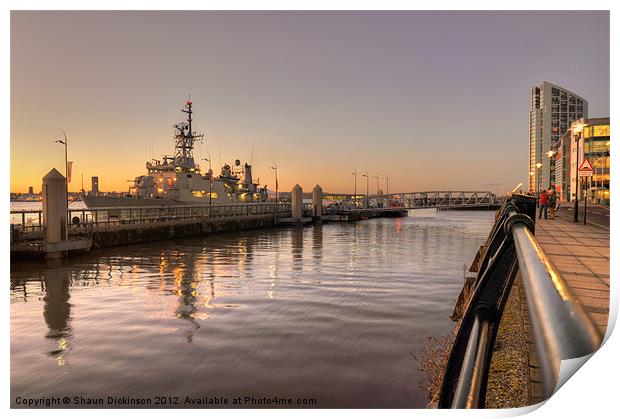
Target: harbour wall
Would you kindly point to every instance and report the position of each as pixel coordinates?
(132, 234)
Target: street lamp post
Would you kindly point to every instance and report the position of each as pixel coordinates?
(275, 169)
(65, 143)
(210, 180)
(366, 176)
(576, 208)
(355, 184)
(538, 166)
(550, 154)
(387, 185)
(377, 178)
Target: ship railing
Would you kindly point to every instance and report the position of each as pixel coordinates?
(562, 327)
(32, 220)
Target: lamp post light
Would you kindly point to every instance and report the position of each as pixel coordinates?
(366, 199)
(275, 169)
(387, 185)
(538, 166)
(355, 184)
(550, 154)
(576, 208)
(210, 179)
(377, 178)
(65, 143)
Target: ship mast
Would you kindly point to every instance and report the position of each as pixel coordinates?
(185, 138)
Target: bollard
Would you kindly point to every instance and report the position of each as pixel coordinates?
(55, 209)
(317, 202)
(297, 202)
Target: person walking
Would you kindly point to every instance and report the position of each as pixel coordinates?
(543, 201)
(552, 203)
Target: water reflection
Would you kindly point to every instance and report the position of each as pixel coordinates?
(297, 247)
(328, 311)
(57, 312)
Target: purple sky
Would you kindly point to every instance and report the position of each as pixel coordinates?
(434, 99)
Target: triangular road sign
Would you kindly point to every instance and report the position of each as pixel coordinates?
(586, 166)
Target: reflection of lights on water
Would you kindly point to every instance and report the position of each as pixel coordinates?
(177, 274)
(163, 263)
(62, 347)
(273, 280)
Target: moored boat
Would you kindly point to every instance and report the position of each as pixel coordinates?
(177, 180)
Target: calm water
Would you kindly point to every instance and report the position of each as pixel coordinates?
(330, 312)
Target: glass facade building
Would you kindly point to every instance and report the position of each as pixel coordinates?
(552, 111)
(593, 137)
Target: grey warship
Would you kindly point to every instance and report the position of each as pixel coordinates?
(177, 180)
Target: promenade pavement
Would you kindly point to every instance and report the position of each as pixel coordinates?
(581, 254)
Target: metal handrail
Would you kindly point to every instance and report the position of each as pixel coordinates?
(32, 220)
(562, 327)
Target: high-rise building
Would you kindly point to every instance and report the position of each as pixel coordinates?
(552, 110)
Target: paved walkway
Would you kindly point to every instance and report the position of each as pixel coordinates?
(581, 254)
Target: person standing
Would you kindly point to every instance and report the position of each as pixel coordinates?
(552, 203)
(543, 200)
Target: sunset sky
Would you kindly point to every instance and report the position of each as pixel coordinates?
(435, 100)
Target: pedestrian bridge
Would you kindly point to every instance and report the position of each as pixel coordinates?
(416, 200)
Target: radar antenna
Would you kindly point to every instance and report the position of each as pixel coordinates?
(185, 137)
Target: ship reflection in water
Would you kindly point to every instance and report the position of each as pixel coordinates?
(330, 312)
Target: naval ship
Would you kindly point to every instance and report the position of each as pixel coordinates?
(177, 180)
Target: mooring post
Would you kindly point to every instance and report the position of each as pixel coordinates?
(297, 202)
(317, 202)
(54, 209)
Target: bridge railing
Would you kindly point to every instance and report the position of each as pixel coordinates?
(563, 329)
(426, 199)
(105, 216)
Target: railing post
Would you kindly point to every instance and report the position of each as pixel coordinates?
(297, 202)
(55, 205)
(317, 202)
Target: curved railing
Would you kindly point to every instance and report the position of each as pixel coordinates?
(562, 328)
